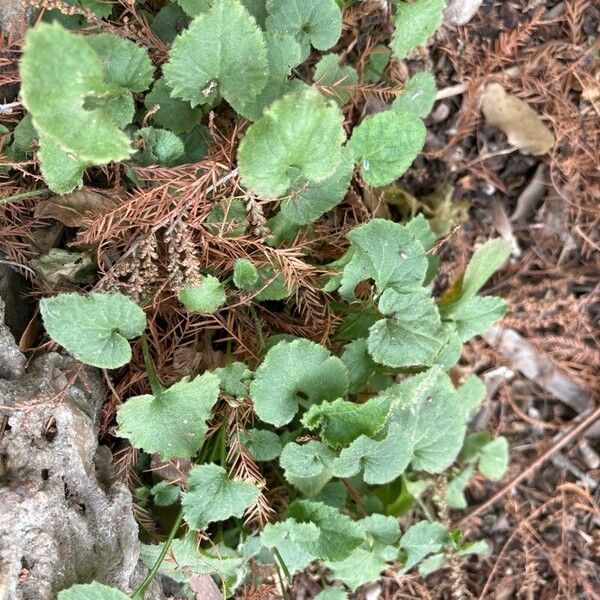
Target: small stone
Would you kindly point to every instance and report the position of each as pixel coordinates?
(460, 12)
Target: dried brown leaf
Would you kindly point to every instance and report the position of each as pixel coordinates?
(71, 209)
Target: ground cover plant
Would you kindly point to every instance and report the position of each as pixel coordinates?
(235, 144)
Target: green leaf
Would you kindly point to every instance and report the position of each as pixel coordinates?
(418, 95)
(294, 541)
(379, 59)
(208, 297)
(341, 422)
(94, 328)
(271, 285)
(307, 466)
(475, 316)
(212, 496)
(124, 63)
(493, 458)
(332, 593)
(59, 71)
(307, 201)
(411, 335)
(420, 540)
(245, 274)
(359, 364)
(24, 135)
(92, 591)
(455, 496)
(335, 81)
(414, 23)
(61, 172)
(385, 145)
(234, 379)
(471, 394)
(431, 564)
(173, 114)
(300, 135)
(385, 252)
(294, 373)
(382, 529)
(316, 22)
(157, 147)
(58, 266)
(362, 566)
(339, 535)
(262, 444)
(172, 423)
(193, 8)
(168, 22)
(165, 493)
(222, 48)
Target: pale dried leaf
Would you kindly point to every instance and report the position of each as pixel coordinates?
(71, 209)
(521, 124)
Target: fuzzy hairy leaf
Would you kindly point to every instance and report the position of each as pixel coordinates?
(332, 593)
(61, 172)
(294, 541)
(92, 591)
(165, 493)
(157, 147)
(124, 63)
(418, 95)
(471, 394)
(245, 274)
(492, 454)
(207, 297)
(385, 145)
(335, 80)
(234, 379)
(340, 422)
(298, 135)
(94, 328)
(420, 540)
(477, 315)
(59, 71)
(307, 466)
(387, 253)
(382, 529)
(362, 566)
(172, 423)
(316, 22)
(222, 50)
(455, 496)
(412, 332)
(294, 373)
(307, 201)
(262, 444)
(359, 364)
(414, 23)
(211, 496)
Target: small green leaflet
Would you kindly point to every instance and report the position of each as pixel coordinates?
(361, 567)
(92, 591)
(307, 201)
(168, 22)
(294, 541)
(207, 297)
(222, 50)
(422, 539)
(414, 23)
(62, 173)
(387, 253)
(262, 444)
(245, 274)
(94, 329)
(359, 364)
(476, 316)
(294, 373)
(234, 379)
(382, 529)
(172, 423)
(212, 496)
(157, 147)
(173, 114)
(418, 95)
(125, 63)
(165, 493)
(385, 145)
(339, 535)
(492, 454)
(332, 594)
(471, 394)
(193, 8)
(455, 495)
(307, 466)
(316, 22)
(412, 332)
(301, 130)
(340, 422)
(334, 80)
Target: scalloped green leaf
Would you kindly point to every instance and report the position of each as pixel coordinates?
(193, 8)
(477, 315)
(362, 566)
(293, 374)
(262, 444)
(92, 591)
(168, 22)
(234, 379)
(385, 145)
(61, 172)
(418, 95)
(414, 23)
(307, 201)
(299, 135)
(212, 496)
(124, 63)
(207, 297)
(294, 541)
(307, 466)
(359, 364)
(245, 274)
(221, 51)
(387, 253)
(422, 539)
(411, 334)
(471, 393)
(59, 72)
(316, 22)
(335, 80)
(165, 493)
(173, 422)
(332, 593)
(157, 147)
(94, 328)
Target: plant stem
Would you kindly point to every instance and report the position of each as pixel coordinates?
(141, 590)
(22, 195)
(285, 571)
(155, 385)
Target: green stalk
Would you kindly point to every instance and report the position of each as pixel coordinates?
(286, 572)
(22, 195)
(141, 590)
(155, 385)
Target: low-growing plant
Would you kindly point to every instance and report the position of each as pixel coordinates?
(354, 434)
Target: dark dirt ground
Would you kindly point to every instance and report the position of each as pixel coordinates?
(542, 520)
